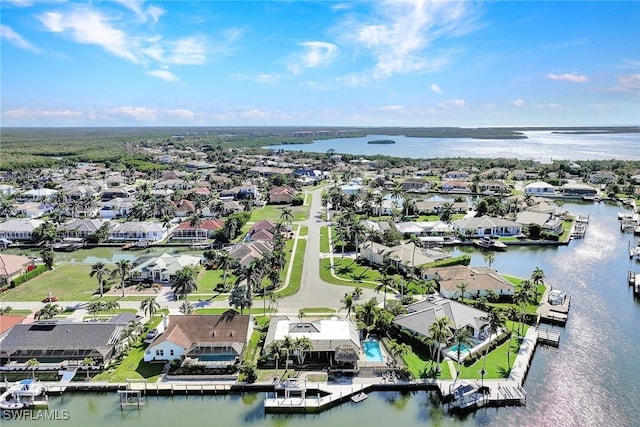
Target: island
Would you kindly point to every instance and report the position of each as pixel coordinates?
(381, 141)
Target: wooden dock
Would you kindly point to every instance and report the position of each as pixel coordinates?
(548, 336)
(554, 314)
(633, 279)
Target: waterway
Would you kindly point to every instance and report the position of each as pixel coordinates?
(540, 145)
(590, 380)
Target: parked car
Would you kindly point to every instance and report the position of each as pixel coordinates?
(152, 334)
(50, 299)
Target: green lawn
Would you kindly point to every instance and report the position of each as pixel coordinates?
(324, 240)
(304, 230)
(496, 367)
(315, 310)
(273, 212)
(351, 273)
(68, 282)
(417, 364)
(296, 272)
(132, 366)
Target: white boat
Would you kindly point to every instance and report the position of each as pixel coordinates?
(556, 297)
(26, 393)
(486, 242)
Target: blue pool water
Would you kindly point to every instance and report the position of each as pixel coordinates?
(372, 351)
(463, 349)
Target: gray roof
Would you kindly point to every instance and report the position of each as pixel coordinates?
(424, 313)
(56, 335)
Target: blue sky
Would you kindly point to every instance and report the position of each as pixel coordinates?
(300, 63)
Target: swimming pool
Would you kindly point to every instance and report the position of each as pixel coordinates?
(463, 349)
(372, 351)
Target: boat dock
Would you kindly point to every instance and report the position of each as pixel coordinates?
(633, 279)
(554, 314)
(548, 336)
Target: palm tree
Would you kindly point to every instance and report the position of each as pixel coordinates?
(446, 214)
(347, 304)
(367, 312)
(416, 242)
(149, 306)
(440, 332)
(184, 281)
(494, 321)
(195, 221)
(240, 298)
(122, 271)
(489, 258)
(386, 281)
(88, 362)
(226, 262)
(537, 277)
(301, 348)
(100, 272)
(358, 230)
(33, 364)
(216, 208)
(398, 351)
(94, 307)
(462, 288)
(462, 337)
(49, 311)
(186, 308)
(4, 311)
(276, 350)
(286, 215)
(111, 306)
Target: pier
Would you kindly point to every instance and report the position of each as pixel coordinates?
(554, 314)
(548, 336)
(633, 279)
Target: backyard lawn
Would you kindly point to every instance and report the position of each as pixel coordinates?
(350, 272)
(68, 282)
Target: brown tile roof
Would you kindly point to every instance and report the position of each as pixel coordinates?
(7, 322)
(11, 264)
(189, 330)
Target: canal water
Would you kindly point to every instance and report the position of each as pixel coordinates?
(592, 379)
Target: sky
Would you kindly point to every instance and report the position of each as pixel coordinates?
(326, 63)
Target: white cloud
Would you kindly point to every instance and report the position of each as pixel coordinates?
(165, 75)
(90, 27)
(142, 114)
(568, 77)
(449, 104)
(627, 83)
(188, 51)
(24, 113)
(7, 33)
(401, 34)
(435, 88)
(518, 103)
(136, 6)
(315, 54)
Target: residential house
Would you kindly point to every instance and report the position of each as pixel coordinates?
(204, 229)
(284, 194)
(487, 226)
(212, 340)
(160, 269)
(116, 208)
(247, 252)
(416, 185)
(478, 281)
(423, 314)
(39, 194)
(546, 220)
(402, 256)
(457, 175)
(540, 188)
(327, 336)
(13, 266)
(19, 229)
(244, 192)
(429, 207)
(456, 186)
(31, 209)
(602, 177)
(82, 228)
(63, 343)
(113, 193)
(387, 207)
(145, 230)
(493, 187)
(183, 208)
(578, 190)
(7, 190)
